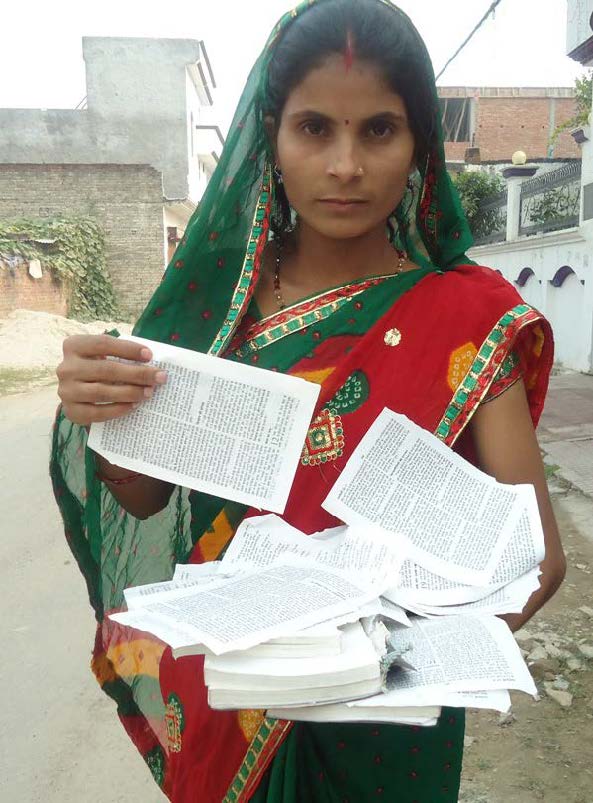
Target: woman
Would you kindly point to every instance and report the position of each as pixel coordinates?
(337, 147)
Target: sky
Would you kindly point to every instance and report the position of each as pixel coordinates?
(41, 62)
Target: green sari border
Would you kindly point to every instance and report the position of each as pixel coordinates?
(477, 381)
(318, 311)
(263, 747)
(244, 288)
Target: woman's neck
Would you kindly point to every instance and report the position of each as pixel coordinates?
(324, 261)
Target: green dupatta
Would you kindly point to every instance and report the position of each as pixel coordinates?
(205, 293)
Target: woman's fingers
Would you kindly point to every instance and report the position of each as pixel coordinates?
(94, 387)
(118, 372)
(110, 371)
(85, 414)
(105, 346)
(100, 393)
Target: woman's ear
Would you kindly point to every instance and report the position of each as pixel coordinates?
(272, 134)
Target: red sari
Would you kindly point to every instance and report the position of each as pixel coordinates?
(433, 356)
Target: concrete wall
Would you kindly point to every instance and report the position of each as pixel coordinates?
(137, 113)
(568, 307)
(507, 120)
(125, 200)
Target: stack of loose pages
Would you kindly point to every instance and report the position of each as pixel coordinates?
(384, 619)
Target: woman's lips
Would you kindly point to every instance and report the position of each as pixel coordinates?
(342, 204)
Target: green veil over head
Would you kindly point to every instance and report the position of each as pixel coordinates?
(211, 279)
(204, 294)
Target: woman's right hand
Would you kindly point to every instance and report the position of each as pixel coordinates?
(94, 388)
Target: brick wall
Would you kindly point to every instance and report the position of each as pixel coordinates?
(18, 290)
(455, 151)
(505, 125)
(508, 124)
(127, 200)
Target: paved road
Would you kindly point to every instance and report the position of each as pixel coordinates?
(60, 740)
(566, 431)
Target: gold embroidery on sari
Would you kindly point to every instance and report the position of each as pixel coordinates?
(174, 722)
(302, 315)
(459, 364)
(325, 440)
(250, 721)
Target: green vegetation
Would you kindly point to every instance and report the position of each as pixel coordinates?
(584, 101)
(74, 253)
(475, 188)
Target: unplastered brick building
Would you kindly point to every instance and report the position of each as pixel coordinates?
(135, 155)
(488, 124)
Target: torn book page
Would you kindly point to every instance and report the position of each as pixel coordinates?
(237, 612)
(230, 430)
(360, 554)
(444, 513)
(493, 699)
(511, 598)
(459, 653)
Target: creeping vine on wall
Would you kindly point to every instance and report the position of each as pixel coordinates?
(74, 254)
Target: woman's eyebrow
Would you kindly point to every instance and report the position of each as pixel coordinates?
(309, 113)
(395, 117)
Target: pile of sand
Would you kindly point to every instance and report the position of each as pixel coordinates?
(34, 339)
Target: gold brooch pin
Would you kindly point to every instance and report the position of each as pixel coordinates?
(393, 337)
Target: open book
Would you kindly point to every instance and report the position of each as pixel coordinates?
(395, 609)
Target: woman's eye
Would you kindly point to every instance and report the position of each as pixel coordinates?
(314, 128)
(381, 130)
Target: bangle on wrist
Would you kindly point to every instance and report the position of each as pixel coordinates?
(121, 480)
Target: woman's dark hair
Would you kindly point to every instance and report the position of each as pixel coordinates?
(379, 35)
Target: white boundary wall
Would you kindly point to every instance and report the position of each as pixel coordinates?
(568, 307)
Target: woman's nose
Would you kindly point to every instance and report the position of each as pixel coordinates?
(344, 162)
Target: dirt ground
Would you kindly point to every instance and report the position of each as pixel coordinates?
(543, 751)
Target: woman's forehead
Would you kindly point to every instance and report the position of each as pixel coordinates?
(334, 89)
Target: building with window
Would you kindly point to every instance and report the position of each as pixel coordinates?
(136, 154)
(488, 124)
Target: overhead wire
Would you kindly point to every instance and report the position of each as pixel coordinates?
(490, 11)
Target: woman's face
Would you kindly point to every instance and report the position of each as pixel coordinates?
(345, 148)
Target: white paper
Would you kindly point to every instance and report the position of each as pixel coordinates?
(237, 612)
(141, 596)
(443, 513)
(459, 653)
(493, 699)
(216, 426)
(265, 540)
(511, 598)
(197, 571)
(418, 588)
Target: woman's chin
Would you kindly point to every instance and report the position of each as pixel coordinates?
(343, 229)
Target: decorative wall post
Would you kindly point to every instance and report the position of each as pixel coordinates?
(515, 176)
